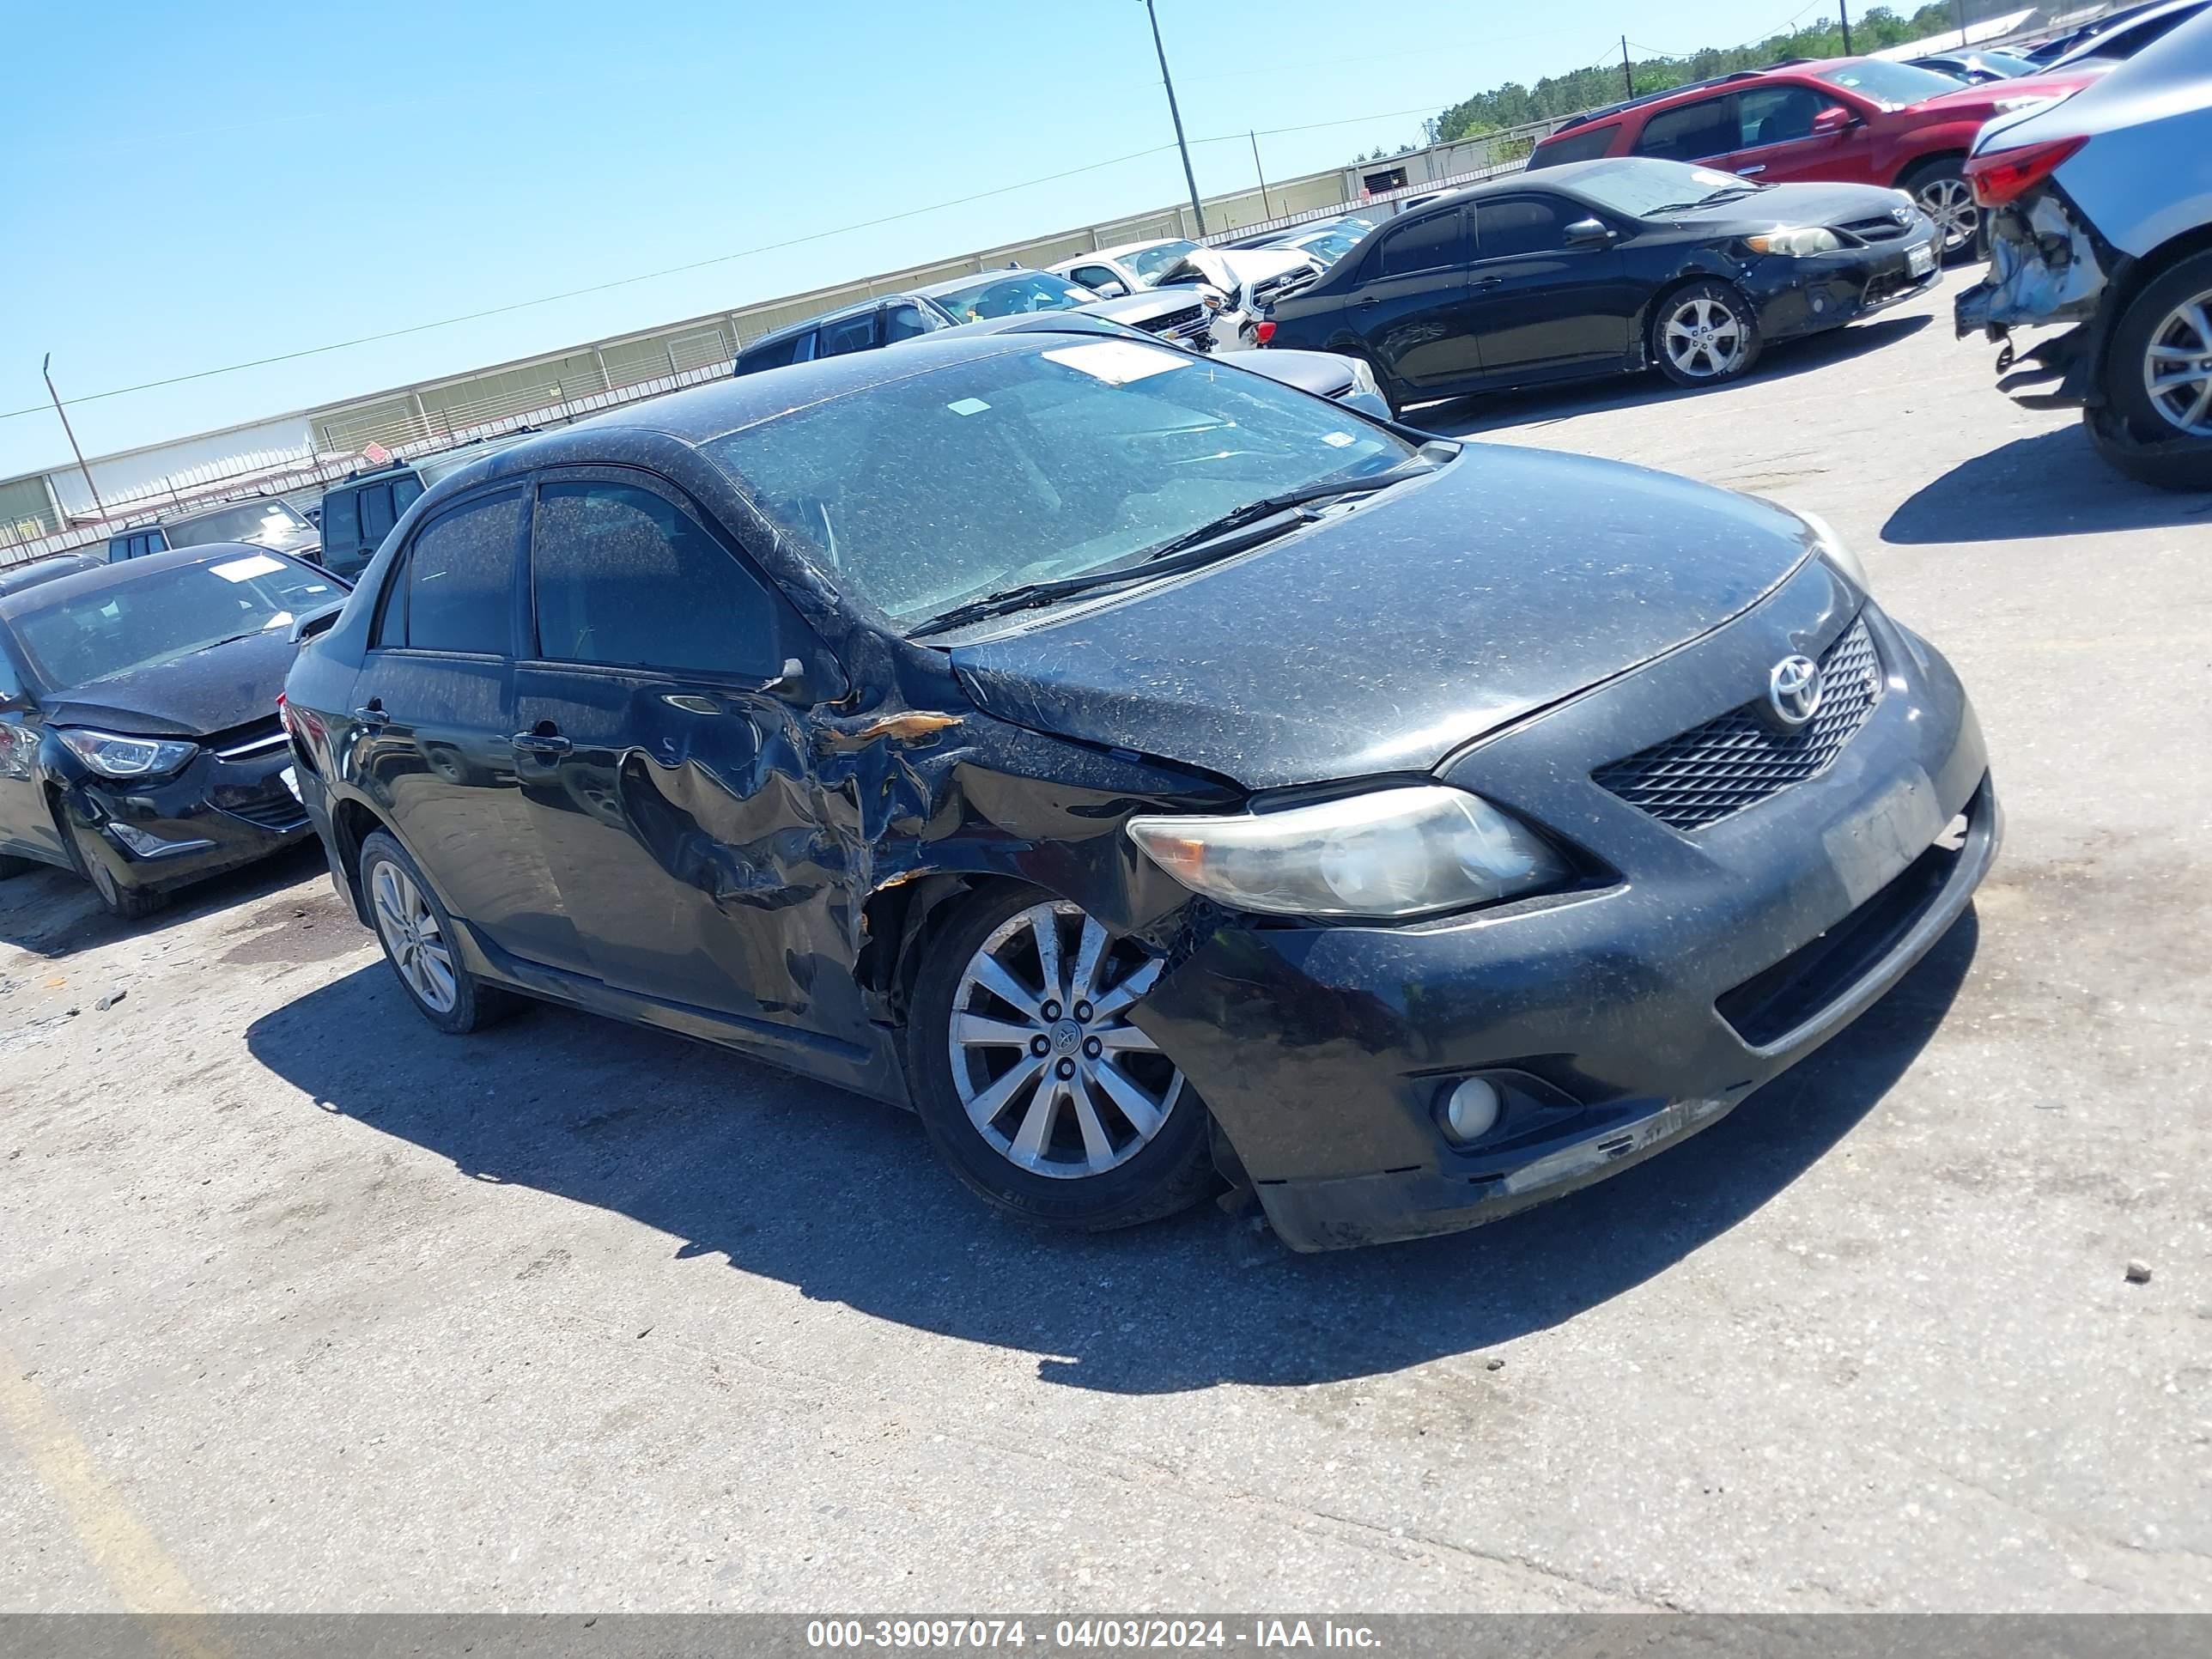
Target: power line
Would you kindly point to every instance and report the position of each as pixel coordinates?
(694, 264)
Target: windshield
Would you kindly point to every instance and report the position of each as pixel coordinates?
(1151, 264)
(265, 524)
(1327, 247)
(1012, 294)
(1893, 86)
(2002, 61)
(1033, 464)
(156, 618)
(1639, 187)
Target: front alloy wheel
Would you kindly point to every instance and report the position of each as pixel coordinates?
(1704, 334)
(1033, 1081)
(1949, 199)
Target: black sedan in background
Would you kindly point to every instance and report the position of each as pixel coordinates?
(139, 742)
(1605, 267)
(1148, 773)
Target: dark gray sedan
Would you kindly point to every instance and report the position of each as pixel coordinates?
(1151, 775)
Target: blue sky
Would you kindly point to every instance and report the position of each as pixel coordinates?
(203, 185)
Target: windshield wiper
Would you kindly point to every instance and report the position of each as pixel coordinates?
(1209, 541)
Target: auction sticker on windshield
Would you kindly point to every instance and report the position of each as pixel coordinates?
(241, 570)
(1117, 362)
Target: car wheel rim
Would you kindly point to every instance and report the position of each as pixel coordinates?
(1703, 338)
(1950, 204)
(413, 939)
(1046, 1065)
(2178, 366)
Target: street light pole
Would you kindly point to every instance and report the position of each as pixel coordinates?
(1189, 178)
(46, 369)
(1844, 11)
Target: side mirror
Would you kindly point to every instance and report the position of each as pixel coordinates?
(1590, 233)
(318, 621)
(1833, 120)
(1113, 289)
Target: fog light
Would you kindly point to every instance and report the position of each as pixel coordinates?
(1470, 1111)
(145, 845)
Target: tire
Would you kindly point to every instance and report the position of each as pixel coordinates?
(2163, 438)
(418, 939)
(1941, 189)
(1731, 348)
(1110, 1169)
(123, 903)
(11, 866)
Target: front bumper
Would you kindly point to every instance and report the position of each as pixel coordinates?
(1804, 296)
(1618, 1018)
(221, 811)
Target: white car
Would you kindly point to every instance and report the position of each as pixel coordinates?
(1249, 280)
(2099, 210)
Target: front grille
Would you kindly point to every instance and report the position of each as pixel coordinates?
(1176, 321)
(249, 742)
(1714, 770)
(276, 810)
(1884, 229)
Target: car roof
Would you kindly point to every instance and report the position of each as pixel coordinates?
(954, 284)
(1121, 248)
(1668, 94)
(209, 511)
(102, 577)
(14, 578)
(855, 309)
(2101, 31)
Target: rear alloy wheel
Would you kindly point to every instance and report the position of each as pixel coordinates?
(1704, 334)
(1944, 196)
(1033, 1083)
(2156, 426)
(421, 942)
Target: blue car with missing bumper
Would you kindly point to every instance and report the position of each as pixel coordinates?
(1151, 775)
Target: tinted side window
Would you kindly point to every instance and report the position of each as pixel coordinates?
(854, 334)
(1580, 145)
(1775, 115)
(774, 354)
(1427, 244)
(456, 592)
(1528, 224)
(1708, 127)
(341, 517)
(377, 517)
(903, 323)
(1093, 276)
(404, 492)
(621, 576)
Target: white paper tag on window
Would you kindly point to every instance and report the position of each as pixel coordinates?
(1338, 440)
(969, 406)
(240, 570)
(1117, 362)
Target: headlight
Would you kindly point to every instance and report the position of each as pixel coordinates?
(1362, 378)
(127, 757)
(1837, 551)
(1795, 244)
(1399, 852)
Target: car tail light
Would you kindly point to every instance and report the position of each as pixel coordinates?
(2005, 175)
(1264, 333)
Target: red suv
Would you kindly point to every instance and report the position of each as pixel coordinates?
(1851, 120)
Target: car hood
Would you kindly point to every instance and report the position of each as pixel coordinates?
(1382, 639)
(1797, 204)
(1234, 269)
(1135, 309)
(1326, 373)
(224, 686)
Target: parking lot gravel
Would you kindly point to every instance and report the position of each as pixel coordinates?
(303, 1306)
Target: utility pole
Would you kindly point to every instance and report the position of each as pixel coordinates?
(1844, 11)
(1267, 209)
(46, 369)
(1167, 81)
(1627, 74)
(1962, 24)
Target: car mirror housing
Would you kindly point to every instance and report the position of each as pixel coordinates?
(1588, 232)
(1112, 288)
(1834, 119)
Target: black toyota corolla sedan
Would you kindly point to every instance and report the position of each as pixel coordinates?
(1149, 773)
(139, 742)
(1607, 267)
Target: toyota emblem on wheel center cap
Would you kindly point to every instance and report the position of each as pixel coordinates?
(1793, 691)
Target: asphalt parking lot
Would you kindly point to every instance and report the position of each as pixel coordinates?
(305, 1306)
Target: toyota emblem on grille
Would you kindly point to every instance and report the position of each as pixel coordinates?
(1902, 214)
(1793, 691)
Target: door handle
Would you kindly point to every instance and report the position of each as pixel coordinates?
(541, 743)
(1366, 299)
(372, 714)
(1485, 282)
(1746, 173)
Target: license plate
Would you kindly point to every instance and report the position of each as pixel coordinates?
(291, 782)
(1919, 261)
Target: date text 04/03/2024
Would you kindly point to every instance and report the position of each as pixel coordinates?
(1258, 1635)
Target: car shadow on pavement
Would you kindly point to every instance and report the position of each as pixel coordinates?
(1470, 417)
(843, 1198)
(2051, 485)
(53, 913)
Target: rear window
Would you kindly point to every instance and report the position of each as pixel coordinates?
(1581, 144)
(776, 353)
(341, 517)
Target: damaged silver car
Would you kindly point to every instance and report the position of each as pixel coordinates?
(2099, 215)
